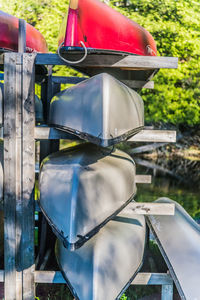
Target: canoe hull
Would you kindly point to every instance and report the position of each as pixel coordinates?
(9, 25)
(178, 238)
(82, 188)
(105, 266)
(102, 28)
(101, 110)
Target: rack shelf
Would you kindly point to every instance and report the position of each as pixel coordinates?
(20, 133)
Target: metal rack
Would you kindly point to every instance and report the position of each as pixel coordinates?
(19, 134)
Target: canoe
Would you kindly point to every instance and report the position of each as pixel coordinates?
(178, 237)
(82, 188)
(9, 25)
(101, 110)
(105, 266)
(100, 27)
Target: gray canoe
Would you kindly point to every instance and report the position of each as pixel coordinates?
(105, 266)
(101, 110)
(81, 188)
(178, 237)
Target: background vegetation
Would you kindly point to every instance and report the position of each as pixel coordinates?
(175, 25)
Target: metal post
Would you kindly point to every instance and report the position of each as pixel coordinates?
(46, 148)
(22, 36)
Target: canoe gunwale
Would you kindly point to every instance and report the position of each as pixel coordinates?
(77, 50)
(171, 269)
(97, 140)
(87, 236)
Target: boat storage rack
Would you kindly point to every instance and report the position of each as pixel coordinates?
(21, 72)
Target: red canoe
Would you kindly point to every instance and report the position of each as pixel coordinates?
(35, 42)
(100, 27)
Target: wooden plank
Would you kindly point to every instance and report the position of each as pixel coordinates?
(44, 133)
(28, 175)
(12, 175)
(19, 162)
(167, 292)
(22, 36)
(140, 279)
(114, 61)
(65, 80)
(165, 136)
(1, 58)
(130, 83)
(163, 279)
(49, 277)
(152, 279)
(138, 84)
(143, 208)
(143, 178)
(138, 178)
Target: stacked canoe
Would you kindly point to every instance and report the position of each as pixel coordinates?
(9, 28)
(84, 189)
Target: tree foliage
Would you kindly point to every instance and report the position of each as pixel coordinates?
(174, 24)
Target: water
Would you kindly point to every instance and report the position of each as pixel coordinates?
(186, 195)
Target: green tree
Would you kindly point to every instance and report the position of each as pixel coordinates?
(174, 24)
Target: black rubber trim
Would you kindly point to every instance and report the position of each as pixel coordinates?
(97, 140)
(77, 50)
(87, 236)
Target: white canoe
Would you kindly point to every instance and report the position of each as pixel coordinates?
(105, 266)
(101, 110)
(81, 188)
(178, 237)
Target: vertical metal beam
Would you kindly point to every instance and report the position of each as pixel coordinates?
(167, 292)
(46, 148)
